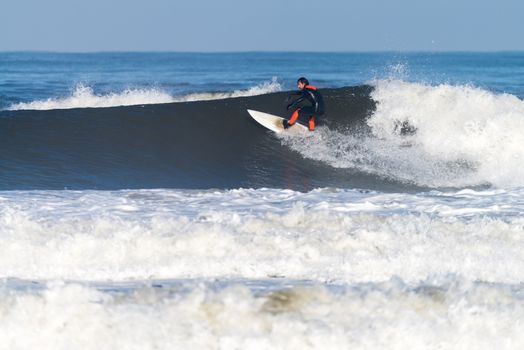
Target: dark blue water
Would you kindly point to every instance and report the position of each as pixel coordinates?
(464, 110)
(26, 77)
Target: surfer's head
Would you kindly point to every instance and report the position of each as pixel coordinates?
(302, 83)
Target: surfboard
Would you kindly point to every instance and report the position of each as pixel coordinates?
(274, 123)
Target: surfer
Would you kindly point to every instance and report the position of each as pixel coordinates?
(307, 93)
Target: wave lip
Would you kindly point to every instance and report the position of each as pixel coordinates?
(261, 89)
(84, 96)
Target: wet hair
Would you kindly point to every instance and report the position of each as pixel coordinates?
(303, 81)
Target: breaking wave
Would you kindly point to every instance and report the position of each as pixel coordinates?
(394, 135)
(84, 96)
(435, 136)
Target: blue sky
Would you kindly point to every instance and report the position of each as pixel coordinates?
(264, 25)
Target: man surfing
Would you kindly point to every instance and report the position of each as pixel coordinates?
(315, 108)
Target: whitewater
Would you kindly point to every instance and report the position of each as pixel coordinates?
(83, 96)
(261, 268)
(462, 136)
(396, 225)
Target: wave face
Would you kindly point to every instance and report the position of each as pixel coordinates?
(83, 96)
(391, 136)
(204, 144)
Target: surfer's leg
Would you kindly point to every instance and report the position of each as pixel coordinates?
(306, 115)
(311, 123)
(294, 117)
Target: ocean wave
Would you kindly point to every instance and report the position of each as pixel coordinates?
(395, 135)
(261, 89)
(436, 136)
(85, 97)
(202, 144)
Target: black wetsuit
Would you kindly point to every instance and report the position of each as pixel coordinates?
(316, 104)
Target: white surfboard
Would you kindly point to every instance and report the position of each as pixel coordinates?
(274, 123)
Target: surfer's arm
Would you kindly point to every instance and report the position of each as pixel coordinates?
(292, 99)
(295, 102)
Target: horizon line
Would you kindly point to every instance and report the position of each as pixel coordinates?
(263, 51)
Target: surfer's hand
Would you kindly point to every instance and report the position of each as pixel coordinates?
(285, 124)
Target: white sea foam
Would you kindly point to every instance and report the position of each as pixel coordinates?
(453, 315)
(323, 235)
(84, 96)
(465, 136)
(264, 269)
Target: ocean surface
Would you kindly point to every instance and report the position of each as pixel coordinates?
(142, 208)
